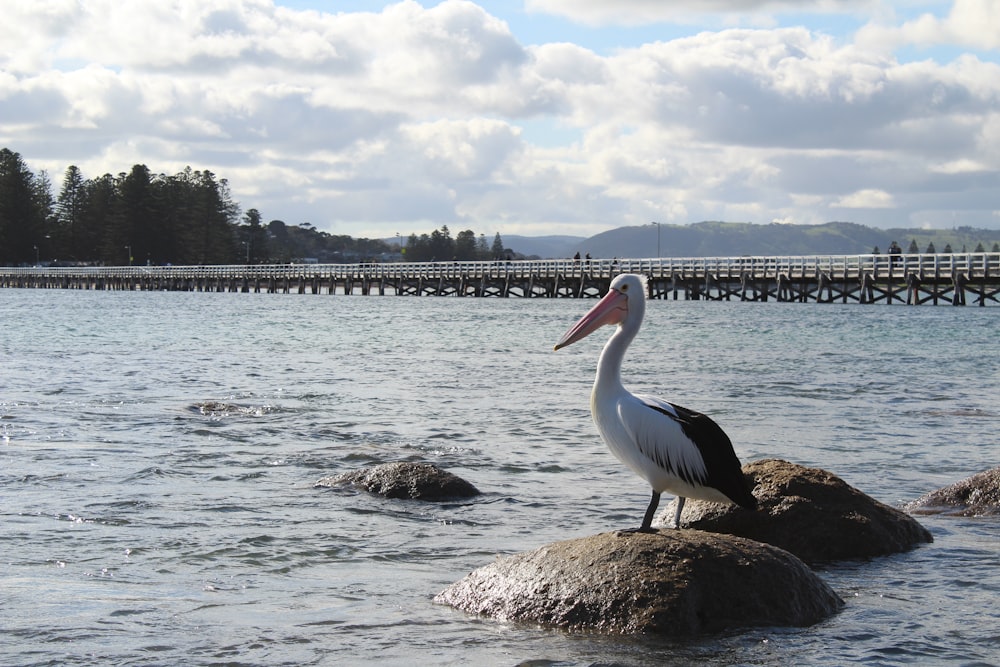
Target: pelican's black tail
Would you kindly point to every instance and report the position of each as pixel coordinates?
(724, 470)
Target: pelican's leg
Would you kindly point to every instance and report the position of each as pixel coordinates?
(647, 521)
(677, 514)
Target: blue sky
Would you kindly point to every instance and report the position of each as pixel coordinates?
(535, 117)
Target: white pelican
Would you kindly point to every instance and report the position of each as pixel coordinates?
(674, 449)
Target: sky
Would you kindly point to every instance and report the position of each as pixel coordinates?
(529, 117)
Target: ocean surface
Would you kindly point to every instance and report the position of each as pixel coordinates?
(158, 453)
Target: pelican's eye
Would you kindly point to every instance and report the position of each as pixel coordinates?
(624, 288)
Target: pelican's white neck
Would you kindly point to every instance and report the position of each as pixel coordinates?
(609, 366)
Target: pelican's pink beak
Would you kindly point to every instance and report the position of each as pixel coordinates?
(611, 309)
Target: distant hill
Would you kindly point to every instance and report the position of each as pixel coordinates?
(733, 239)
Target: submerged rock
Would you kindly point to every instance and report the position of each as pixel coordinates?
(978, 495)
(670, 583)
(419, 481)
(810, 512)
(219, 409)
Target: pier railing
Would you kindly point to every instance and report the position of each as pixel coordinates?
(913, 278)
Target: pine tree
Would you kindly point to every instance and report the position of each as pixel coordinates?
(101, 212)
(45, 206)
(139, 215)
(497, 250)
(254, 237)
(70, 205)
(116, 238)
(23, 213)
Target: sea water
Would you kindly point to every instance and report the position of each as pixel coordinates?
(158, 453)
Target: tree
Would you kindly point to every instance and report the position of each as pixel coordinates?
(173, 201)
(497, 250)
(465, 246)
(70, 206)
(219, 213)
(100, 212)
(205, 218)
(278, 238)
(930, 248)
(913, 249)
(137, 234)
(45, 205)
(254, 237)
(23, 215)
(441, 247)
(437, 247)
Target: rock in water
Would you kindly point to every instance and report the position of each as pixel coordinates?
(670, 583)
(978, 495)
(810, 512)
(418, 481)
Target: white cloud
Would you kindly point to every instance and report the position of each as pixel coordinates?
(461, 150)
(866, 199)
(960, 166)
(638, 12)
(973, 24)
(370, 123)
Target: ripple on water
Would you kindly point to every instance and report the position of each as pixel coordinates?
(138, 528)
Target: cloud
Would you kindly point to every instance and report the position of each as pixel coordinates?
(973, 24)
(639, 12)
(866, 199)
(371, 123)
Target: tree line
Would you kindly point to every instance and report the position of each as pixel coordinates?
(439, 246)
(140, 217)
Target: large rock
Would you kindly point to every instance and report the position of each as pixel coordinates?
(419, 481)
(809, 512)
(670, 583)
(978, 495)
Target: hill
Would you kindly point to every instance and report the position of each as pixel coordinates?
(733, 239)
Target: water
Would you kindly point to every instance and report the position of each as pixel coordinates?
(136, 530)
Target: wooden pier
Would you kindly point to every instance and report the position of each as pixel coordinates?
(955, 279)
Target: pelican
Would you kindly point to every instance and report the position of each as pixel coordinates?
(674, 449)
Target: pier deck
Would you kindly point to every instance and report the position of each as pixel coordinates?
(954, 279)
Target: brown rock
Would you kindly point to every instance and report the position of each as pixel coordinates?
(809, 512)
(670, 583)
(978, 495)
(419, 481)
